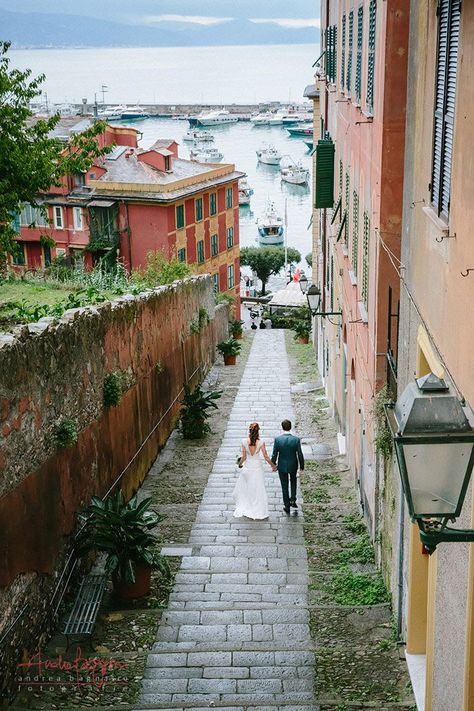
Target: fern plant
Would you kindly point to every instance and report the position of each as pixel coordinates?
(65, 433)
(113, 389)
(196, 406)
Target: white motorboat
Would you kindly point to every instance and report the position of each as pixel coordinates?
(262, 119)
(245, 191)
(134, 112)
(112, 112)
(198, 136)
(270, 227)
(295, 173)
(269, 155)
(202, 154)
(217, 117)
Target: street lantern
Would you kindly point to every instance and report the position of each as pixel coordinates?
(434, 445)
(304, 283)
(313, 295)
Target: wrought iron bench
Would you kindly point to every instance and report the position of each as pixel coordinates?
(83, 616)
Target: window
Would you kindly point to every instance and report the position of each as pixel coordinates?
(330, 37)
(228, 198)
(213, 204)
(358, 77)
(167, 163)
(198, 209)
(215, 279)
(347, 202)
(79, 180)
(343, 51)
(32, 216)
(445, 104)
(230, 237)
(349, 51)
(200, 251)
(324, 182)
(182, 254)
(19, 257)
(365, 261)
(77, 218)
(47, 255)
(355, 231)
(179, 217)
(230, 276)
(371, 57)
(58, 217)
(214, 245)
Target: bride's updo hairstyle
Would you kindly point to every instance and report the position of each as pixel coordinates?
(254, 430)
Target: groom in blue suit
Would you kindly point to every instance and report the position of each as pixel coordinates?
(287, 457)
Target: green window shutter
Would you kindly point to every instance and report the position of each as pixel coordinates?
(198, 209)
(336, 210)
(349, 51)
(360, 27)
(330, 35)
(229, 198)
(343, 51)
(212, 204)
(347, 203)
(324, 196)
(200, 251)
(331, 302)
(342, 226)
(371, 56)
(355, 231)
(365, 261)
(214, 245)
(341, 173)
(182, 255)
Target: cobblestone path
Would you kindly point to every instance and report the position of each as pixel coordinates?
(236, 634)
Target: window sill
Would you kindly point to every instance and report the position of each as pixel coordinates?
(438, 222)
(352, 277)
(344, 250)
(363, 312)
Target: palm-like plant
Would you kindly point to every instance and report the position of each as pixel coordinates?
(195, 411)
(123, 532)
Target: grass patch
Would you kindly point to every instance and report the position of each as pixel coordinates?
(359, 551)
(348, 588)
(319, 495)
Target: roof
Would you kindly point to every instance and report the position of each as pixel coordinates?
(131, 170)
(291, 296)
(162, 143)
(311, 92)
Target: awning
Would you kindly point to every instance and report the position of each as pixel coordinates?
(311, 92)
(289, 297)
(101, 203)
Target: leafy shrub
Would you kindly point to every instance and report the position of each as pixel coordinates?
(201, 321)
(230, 347)
(302, 330)
(65, 433)
(113, 389)
(195, 411)
(160, 270)
(383, 437)
(224, 298)
(235, 327)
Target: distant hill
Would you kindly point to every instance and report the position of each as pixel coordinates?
(54, 30)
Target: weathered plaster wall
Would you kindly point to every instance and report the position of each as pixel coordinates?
(55, 369)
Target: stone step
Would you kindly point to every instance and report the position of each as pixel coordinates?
(212, 699)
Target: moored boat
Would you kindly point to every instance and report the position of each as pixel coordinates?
(295, 173)
(218, 117)
(200, 136)
(269, 155)
(270, 227)
(301, 131)
(134, 112)
(262, 119)
(309, 144)
(245, 192)
(202, 154)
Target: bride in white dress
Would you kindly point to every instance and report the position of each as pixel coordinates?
(250, 495)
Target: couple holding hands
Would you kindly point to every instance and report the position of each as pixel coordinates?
(250, 495)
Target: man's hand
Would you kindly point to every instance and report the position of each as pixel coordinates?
(300, 472)
(274, 467)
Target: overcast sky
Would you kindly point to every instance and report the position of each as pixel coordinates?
(297, 13)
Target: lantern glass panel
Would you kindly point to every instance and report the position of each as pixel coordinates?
(436, 474)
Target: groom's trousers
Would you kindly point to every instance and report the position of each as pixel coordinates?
(288, 480)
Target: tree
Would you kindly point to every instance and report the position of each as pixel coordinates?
(265, 261)
(309, 259)
(31, 161)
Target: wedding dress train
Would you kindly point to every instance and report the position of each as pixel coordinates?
(250, 495)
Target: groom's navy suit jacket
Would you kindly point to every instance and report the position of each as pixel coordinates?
(287, 453)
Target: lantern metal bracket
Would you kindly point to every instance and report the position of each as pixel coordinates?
(435, 531)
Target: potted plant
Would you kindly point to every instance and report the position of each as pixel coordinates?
(302, 331)
(123, 532)
(235, 327)
(194, 412)
(230, 349)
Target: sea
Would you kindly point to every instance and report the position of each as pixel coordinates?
(211, 75)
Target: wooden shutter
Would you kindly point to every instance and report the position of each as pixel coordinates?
(355, 231)
(445, 104)
(358, 80)
(349, 52)
(365, 261)
(347, 207)
(343, 52)
(371, 56)
(324, 194)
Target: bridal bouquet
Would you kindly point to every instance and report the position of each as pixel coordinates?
(238, 461)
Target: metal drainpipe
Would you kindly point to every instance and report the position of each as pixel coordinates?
(127, 228)
(401, 560)
(326, 100)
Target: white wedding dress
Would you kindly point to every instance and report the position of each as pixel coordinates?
(250, 495)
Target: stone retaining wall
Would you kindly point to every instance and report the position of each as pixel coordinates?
(54, 370)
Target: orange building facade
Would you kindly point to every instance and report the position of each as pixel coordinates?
(137, 201)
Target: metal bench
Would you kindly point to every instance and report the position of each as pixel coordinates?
(83, 616)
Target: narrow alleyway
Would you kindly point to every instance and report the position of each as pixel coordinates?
(236, 632)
